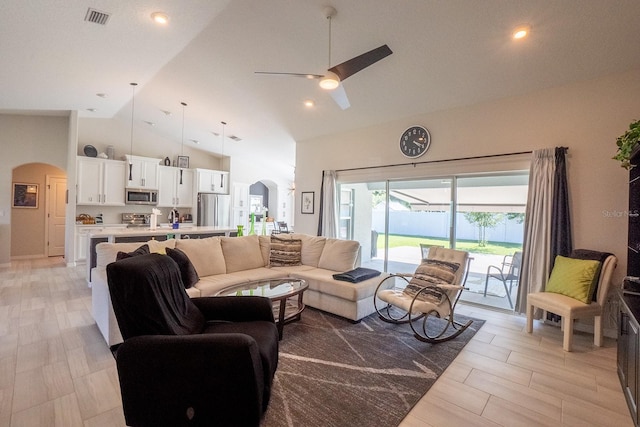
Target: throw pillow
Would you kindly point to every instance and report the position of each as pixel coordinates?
(187, 270)
(573, 278)
(431, 272)
(241, 253)
(285, 252)
(142, 250)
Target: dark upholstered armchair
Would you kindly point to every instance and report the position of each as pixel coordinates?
(201, 361)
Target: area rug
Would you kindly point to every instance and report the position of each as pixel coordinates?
(333, 372)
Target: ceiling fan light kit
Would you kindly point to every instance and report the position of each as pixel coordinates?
(331, 80)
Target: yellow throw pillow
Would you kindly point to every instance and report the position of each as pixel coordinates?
(574, 278)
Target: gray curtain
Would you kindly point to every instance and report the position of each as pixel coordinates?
(536, 254)
(561, 241)
(328, 211)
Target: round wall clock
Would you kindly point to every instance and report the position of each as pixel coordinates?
(415, 141)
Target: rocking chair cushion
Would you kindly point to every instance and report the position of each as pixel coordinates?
(431, 272)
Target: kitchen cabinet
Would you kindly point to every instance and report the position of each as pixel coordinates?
(210, 181)
(629, 351)
(144, 172)
(171, 190)
(100, 181)
(240, 205)
(82, 243)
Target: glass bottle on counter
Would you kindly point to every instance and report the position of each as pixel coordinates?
(252, 230)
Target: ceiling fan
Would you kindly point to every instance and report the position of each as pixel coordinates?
(333, 78)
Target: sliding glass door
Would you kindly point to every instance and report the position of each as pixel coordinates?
(397, 221)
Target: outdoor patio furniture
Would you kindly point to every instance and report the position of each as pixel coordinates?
(509, 271)
(424, 249)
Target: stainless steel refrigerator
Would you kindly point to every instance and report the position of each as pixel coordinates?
(214, 210)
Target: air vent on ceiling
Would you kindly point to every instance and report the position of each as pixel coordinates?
(235, 138)
(96, 16)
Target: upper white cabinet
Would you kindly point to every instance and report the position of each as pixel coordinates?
(210, 181)
(144, 172)
(172, 191)
(100, 181)
(240, 201)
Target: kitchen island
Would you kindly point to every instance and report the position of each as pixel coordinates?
(142, 234)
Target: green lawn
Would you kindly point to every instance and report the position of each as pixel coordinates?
(494, 248)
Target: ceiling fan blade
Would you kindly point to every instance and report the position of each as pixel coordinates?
(339, 95)
(306, 76)
(360, 62)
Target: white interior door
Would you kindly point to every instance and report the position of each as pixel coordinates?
(55, 205)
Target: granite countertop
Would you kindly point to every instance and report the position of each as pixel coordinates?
(161, 229)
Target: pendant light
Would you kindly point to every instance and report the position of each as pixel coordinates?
(184, 104)
(133, 106)
(222, 175)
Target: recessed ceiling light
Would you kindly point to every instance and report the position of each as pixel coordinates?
(149, 123)
(521, 31)
(166, 112)
(195, 141)
(215, 133)
(101, 95)
(309, 103)
(160, 18)
(93, 110)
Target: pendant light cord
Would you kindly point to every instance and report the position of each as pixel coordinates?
(133, 107)
(222, 154)
(184, 104)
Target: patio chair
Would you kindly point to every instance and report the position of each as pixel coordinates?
(280, 227)
(424, 249)
(431, 291)
(509, 271)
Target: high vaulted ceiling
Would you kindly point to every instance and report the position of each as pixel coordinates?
(446, 54)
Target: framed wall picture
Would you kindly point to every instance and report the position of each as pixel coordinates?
(25, 195)
(306, 204)
(183, 162)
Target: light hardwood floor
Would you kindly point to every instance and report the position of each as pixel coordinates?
(56, 370)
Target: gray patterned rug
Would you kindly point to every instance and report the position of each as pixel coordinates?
(332, 372)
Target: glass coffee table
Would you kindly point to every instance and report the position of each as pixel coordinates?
(276, 290)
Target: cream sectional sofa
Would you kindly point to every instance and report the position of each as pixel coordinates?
(224, 261)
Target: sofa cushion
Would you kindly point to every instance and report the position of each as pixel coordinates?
(160, 246)
(187, 270)
(265, 247)
(106, 252)
(312, 247)
(205, 255)
(241, 253)
(339, 255)
(322, 281)
(285, 252)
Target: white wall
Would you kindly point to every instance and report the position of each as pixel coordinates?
(27, 139)
(586, 117)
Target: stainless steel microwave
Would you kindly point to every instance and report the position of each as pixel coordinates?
(141, 196)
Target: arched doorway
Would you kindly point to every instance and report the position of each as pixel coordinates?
(38, 211)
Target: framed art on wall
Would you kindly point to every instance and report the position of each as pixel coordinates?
(306, 204)
(25, 195)
(183, 162)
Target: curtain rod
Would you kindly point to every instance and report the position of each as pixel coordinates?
(414, 164)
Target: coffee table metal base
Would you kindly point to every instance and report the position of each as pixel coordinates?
(278, 291)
